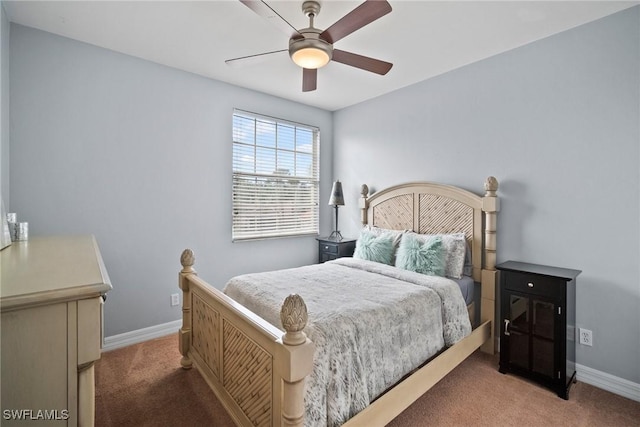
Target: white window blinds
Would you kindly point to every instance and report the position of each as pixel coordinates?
(275, 177)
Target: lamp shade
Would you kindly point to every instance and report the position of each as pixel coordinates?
(336, 199)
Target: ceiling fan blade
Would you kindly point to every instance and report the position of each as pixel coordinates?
(362, 62)
(362, 15)
(309, 79)
(263, 9)
(251, 59)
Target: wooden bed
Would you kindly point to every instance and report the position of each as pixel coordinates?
(258, 372)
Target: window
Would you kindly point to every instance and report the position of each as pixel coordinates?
(275, 177)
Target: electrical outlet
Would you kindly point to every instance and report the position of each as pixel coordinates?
(586, 337)
(175, 299)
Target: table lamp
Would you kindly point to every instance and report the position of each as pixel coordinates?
(336, 199)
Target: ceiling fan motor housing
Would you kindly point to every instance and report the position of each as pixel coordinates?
(310, 51)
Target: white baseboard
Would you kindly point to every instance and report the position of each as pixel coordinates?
(608, 382)
(140, 335)
(616, 385)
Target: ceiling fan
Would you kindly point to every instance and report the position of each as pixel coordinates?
(312, 48)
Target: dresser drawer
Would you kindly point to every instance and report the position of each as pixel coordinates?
(533, 284)
(89, 330)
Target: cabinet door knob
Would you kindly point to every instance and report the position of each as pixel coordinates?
(326, 248)
(530, 284)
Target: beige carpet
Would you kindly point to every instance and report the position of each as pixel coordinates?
(143, 385)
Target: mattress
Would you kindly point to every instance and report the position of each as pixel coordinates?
(467, 287)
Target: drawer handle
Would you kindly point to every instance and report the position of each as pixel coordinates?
(530, 284)
(326, 248)
(506, 327)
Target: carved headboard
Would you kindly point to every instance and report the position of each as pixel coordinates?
(430, 208)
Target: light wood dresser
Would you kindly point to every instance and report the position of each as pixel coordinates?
(51, 330)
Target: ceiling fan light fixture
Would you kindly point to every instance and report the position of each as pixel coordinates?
(310, 58)
(310, 53)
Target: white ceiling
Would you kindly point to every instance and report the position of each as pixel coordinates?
(421, 38)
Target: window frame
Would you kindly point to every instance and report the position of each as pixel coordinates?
(288, 197)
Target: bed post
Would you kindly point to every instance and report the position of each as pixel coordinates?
(490, 206)
(186, 259)
(364, 203)
(293, 316)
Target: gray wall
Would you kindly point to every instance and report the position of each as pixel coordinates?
(557, 122)
(4, 107)
(139, 155)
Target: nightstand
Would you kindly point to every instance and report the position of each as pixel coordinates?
(330, 248)
(537, 331)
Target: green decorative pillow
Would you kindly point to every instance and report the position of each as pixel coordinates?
(454, 248)
(396, 236)
(374, 248)
(424, 256)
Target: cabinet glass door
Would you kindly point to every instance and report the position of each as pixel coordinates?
(543, 328)
(531, 334)
(519, 330)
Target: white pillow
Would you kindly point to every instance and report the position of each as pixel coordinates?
(468, 262)
(455, 247)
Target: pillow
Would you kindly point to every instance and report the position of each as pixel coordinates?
(374, 248)
(424, 255)
(455, 249)
(468, 262)
(395, 235)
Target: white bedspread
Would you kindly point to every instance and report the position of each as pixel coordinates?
(371, 324)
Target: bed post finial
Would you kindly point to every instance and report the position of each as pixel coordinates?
(364, 203)
(364, 190)
(293, 316)
(187, 260)
(491, 186)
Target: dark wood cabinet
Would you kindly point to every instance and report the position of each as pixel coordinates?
(329, 248)
(537, 330)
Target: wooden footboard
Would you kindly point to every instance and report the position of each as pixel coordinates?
(255, 370)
